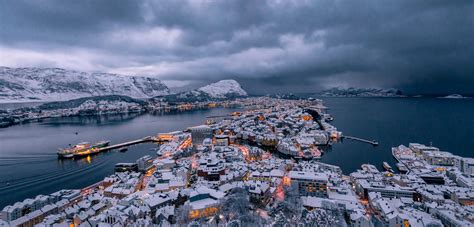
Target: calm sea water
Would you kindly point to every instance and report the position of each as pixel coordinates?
(446, 123)
(28, 160)
(28, 163)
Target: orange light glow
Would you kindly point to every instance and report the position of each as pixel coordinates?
(245, 151)
(185, 144)
(280, 193)
(286, 181)
(307, 117)
(206, 212)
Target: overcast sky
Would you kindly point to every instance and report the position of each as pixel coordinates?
(268, 46)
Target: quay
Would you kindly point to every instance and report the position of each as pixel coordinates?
(125, 144)
(372, 142)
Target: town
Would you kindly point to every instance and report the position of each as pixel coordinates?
(261, 167)
(109, 106)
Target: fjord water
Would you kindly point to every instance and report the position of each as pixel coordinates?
(28, 163)
(445, 123)
(28, 160)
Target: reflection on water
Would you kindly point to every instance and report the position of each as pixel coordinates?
(89, 120)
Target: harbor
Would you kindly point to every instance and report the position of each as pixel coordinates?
(211, 159)
(39, 154)
(85, 149)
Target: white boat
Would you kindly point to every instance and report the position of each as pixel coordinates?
(387, 167)
(401, 167)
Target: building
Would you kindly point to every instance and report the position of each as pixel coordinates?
(309, 183)
(259, 192)
(211, 167)
(364, 187)
(204, 202)
(419, 148)
(222, 140)
(199, 133)
(145, 163)
(32, 211)
(439, 158)
(467, 166)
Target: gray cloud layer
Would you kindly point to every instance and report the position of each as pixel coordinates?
(269, 46)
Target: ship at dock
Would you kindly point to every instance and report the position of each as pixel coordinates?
(387, 167)
(82, 149)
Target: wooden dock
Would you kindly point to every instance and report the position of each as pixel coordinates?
(115, 146)
(372, 142)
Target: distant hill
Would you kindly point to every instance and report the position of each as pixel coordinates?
(361, 92)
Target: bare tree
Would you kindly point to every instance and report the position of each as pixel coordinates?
(236, 208)
(182, 214)
(290, 209)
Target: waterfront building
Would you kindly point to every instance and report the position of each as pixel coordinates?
(420, 148)
(32, 211)
(145, 163)
(467, 166)
(440, 158)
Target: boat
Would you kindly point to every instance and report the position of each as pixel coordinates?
(82, 149)
(402, 168)
(123, 149)
(387, 167)
(87, 152)
(102, 143)
(370, 168)
(126, 167)
(316, 153)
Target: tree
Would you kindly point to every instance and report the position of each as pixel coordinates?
(182, 214)
(235, 208)
(290, 209)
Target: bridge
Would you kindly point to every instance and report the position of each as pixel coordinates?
(124, 144)
(372, 142)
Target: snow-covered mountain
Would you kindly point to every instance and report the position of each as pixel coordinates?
(223, 89)
(55, 84)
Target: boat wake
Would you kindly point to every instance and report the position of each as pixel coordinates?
(31, 181)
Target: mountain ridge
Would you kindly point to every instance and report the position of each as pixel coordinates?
(223, 89)
(57, 84)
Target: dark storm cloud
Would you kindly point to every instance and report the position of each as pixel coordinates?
(269, 46)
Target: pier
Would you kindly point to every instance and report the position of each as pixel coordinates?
(217, 116)
(115, 146)
(372, 142)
